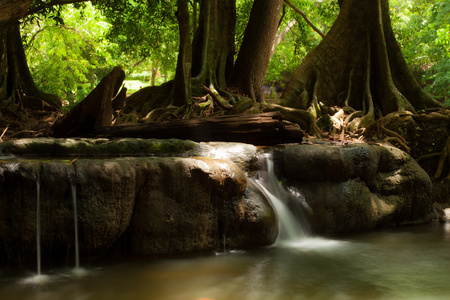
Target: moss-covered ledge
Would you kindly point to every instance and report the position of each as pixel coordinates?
(243, 155)
(55, 147)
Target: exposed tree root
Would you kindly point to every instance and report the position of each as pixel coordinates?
(389, 136)
(168, 116)
(443, 155)
(301, 117)
(216, 97)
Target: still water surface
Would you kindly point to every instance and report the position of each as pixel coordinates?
(400, 263)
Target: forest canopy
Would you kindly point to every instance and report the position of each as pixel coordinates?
(85, 41)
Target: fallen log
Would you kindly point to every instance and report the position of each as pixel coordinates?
(257, 129)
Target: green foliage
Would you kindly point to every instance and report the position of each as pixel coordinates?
(146, 32)
(423, 30)
(71, 47)
(68, 55)
(243, 8)
(301, 39)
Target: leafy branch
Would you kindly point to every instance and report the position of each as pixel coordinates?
(305, 17)
(43, 6)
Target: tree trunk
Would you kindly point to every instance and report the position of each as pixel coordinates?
(94, 111)
(358, 64)
(181, 90)
(213, 46)
(155, 70)
(279, 37)
(15, 77)
(257, 129)
(254, 56)
(212, 58)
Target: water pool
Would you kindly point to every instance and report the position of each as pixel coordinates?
(399, 263)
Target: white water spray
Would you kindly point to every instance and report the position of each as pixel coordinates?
(293, 230)
(289, 227)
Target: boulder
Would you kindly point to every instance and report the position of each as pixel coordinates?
(139, 206)
(104, 198)
(186, 206)
(356, 187)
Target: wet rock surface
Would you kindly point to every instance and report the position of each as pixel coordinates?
(159, 198)
(357, 187)
(140, 206)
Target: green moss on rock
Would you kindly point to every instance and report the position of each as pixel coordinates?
(95, 147)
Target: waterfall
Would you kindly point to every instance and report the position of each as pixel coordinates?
(38, 222)
(290, 228)
(75, 220)
(38, 278)
(77, 271)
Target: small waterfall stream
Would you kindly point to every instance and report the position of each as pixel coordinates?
(290, 228)
(77, 271)
(38, 222)
(38, 278)
(75, 220)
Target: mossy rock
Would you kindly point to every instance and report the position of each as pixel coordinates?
(95, 147)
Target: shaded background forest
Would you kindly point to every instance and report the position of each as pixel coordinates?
(71, 48)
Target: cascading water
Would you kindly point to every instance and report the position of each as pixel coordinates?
(38, 222)
(75, 220)
(77, 271)
(289, 226)
(39, 278)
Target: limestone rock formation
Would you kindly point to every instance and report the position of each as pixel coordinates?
(356, 187)
(152, 206)
(154, 198)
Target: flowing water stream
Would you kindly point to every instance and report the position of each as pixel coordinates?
(398, 263)
(38, 223)
(78, 270)
(291, 228)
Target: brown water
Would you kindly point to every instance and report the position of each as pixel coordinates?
(401, 263)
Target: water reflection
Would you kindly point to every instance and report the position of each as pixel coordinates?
(403, 263)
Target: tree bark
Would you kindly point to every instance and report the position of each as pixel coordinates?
(209, 59)
(181, 90)
(13, 10)
(358, 64)
(259, 129)
(254, 56)
(213, 45)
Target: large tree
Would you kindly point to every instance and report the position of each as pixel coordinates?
(204, 61)
(212, 59)
(358, 64)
